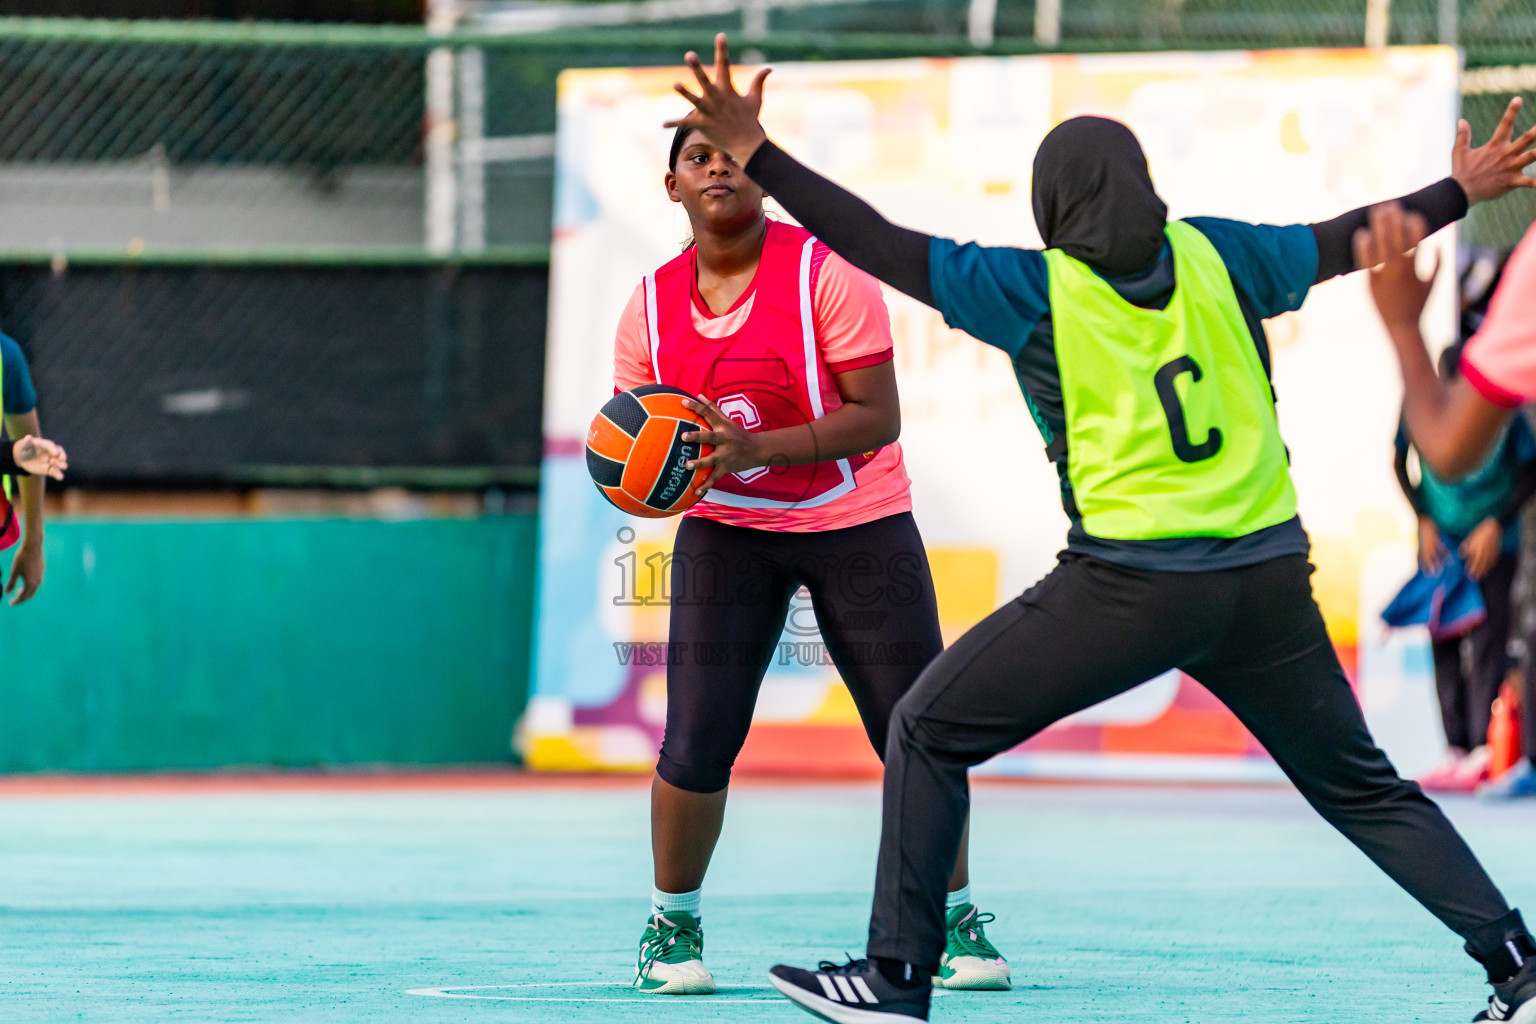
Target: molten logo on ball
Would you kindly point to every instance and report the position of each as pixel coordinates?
(637, 456)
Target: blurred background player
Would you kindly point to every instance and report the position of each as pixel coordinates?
(788, 504)
(19, 398)
(1454, 423)
(1471, 525)
(1185, 549)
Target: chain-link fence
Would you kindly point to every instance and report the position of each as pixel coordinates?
(122, 137)
(132, 154)
(111, 141)
(417, 373)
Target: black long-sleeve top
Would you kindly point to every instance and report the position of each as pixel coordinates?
(901, 258)
(898, 256)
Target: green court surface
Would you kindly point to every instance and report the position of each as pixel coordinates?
(499, 900)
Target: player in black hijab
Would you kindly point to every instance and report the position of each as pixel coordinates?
(1179, 555)
(1094, 199)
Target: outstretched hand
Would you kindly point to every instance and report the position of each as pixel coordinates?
(1497, 166)
(735, 447)
(1387, 247)
(40, 457)
(726, 117)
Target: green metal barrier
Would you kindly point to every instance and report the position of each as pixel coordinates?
(169, 645)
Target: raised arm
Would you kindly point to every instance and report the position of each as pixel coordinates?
(851, 227)
(1440, 204)
(1450, 423)
(1477, 175)
(847, 224)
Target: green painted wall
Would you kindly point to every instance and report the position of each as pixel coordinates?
(269, 642)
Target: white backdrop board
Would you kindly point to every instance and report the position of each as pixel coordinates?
(946, 146)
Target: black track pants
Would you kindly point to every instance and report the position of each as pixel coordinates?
(872, 594)
(1466, 699)
(1091, 630)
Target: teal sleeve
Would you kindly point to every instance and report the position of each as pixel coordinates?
(20, 395)
(995, 294)
(1272, 267)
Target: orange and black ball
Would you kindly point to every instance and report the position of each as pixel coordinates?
(636, 452)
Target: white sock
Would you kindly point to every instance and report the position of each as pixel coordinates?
(687, 902)
(959, 896)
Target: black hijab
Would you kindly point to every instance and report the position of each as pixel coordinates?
(1094, 199)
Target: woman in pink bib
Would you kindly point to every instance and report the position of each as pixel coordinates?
(789, 349)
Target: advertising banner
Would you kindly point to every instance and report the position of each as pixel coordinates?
(946, 146)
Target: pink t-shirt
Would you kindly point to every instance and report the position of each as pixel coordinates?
(1500, 359)
(853, 330)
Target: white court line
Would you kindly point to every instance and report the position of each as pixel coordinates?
(467, 992)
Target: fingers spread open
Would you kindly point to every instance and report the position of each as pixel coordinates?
(682, 90)
(1393, 231)
(1365, 249)
(1384, 229)
(1506, 124)
(697, 67)
(1526, 140)
(723, 63)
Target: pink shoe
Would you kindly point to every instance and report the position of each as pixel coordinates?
(1472, 772)
(1443, 778)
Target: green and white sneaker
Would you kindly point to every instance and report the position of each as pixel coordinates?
(970, 961)
(671, 961)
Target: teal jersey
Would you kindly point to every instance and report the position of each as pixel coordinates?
(1457, 506)
(1001, 296)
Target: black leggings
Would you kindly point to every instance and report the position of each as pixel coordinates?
(732, 587)
(1466, 699)
(1091, 630)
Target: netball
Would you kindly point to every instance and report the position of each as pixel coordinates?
(636, 452)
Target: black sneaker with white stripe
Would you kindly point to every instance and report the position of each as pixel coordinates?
(852, 993)
(1513, 1000)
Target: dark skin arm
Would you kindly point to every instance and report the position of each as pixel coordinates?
(1451, 423)
(869, 418)
(28, 565)
(1481, 550)
(1431, 547)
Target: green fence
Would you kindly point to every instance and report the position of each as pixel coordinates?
(166, 645)
(146, 137)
